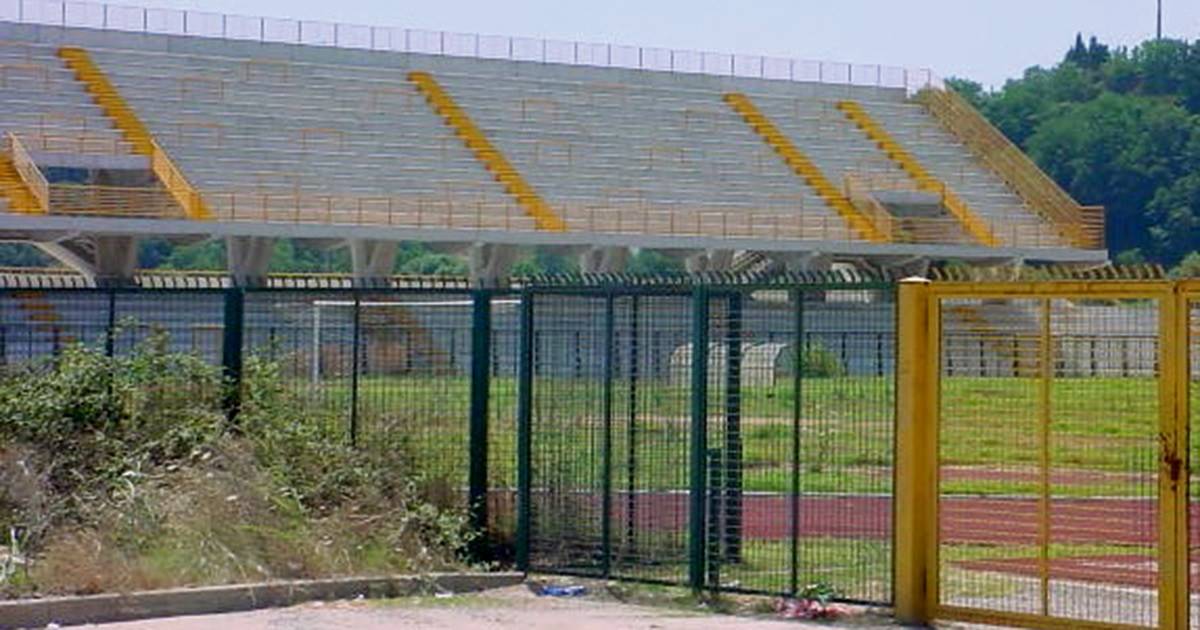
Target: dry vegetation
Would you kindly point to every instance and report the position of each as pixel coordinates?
(122, 473)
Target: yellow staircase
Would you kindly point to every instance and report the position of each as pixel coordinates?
(472, 136)
(126, 120)
(803, 167)
(14, 189)
(1081, 226)
(924, 180)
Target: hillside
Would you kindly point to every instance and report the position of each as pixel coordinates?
(1118, 128)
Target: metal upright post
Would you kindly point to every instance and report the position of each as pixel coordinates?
(525, 360)
(356, 343)
(231, 352)
(606, 448)
(631, 433)
(481, 345)
(699, 439)
(110, 332)
(916, 453)
(797, 411)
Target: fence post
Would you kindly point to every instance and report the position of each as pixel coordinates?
(110, 335)
(631, 433)
(732, 459)
(525, 360)
(797, 419)
(355, 346)
(1174, 412)
(481, 346)
(231, 352)
(916, 453)
(606, 450)
(699, 439)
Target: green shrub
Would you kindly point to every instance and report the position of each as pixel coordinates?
(124, 473)
(818, 362)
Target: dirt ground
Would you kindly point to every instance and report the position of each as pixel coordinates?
(516, 608)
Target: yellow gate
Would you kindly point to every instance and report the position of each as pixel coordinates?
(1042, 452)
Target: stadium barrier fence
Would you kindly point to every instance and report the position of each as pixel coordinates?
(995, 448)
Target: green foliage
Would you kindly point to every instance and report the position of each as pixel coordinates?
(23, 255)
(818, 362)
(1189, 267)
(544, 261)
(651, 262)
(1117, 128)
(123, 472)
(821, 592)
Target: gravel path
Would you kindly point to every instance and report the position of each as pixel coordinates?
(513, 608)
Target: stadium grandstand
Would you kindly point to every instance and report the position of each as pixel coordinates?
(122, 123)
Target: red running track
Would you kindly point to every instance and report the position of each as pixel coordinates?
(979, 520)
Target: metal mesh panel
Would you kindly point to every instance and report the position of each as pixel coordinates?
(568, 429)
(387, 369)
(1048, 458)
(802, 441)
(36, 324)
(502, 429)
(796, 449)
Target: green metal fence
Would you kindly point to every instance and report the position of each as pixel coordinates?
(725, 435)
(714, 432)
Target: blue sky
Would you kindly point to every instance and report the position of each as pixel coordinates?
(988, 40)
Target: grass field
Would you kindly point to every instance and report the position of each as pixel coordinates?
(1103, 431)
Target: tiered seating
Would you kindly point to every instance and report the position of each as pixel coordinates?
(642, 158)
(309, 142)
(946, 158)
(606, 151)
(43, 104)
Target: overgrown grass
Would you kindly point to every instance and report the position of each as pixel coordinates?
(120, 473)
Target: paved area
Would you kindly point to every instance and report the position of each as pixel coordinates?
(515, 608)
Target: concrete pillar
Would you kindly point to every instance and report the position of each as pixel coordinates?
(373, 261)
(249, 258)
(709, 260)
(116, 257)
(103, 260)
(489, 263)
(604, 260)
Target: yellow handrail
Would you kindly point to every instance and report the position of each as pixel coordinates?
(487, 153)
(925, 181)
(29, 172)
(125, 119)
(804, 168)
(1083, 226)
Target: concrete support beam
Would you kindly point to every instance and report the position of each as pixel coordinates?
(248, 257)
(604, 260)
(372, 260)
(102, 259)
(489, 263)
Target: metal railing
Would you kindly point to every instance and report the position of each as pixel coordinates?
(458, 213)
(1083, 225)
(29, 172)
(472, 45)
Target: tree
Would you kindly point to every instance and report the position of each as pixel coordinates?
(1118, 151)
(1189, 267)
(972, 91)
